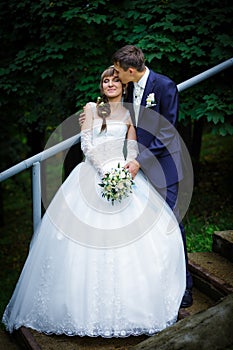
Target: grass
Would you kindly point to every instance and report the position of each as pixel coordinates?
(211, 206)
(210, 210)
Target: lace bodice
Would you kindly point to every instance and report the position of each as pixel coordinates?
(111, 142)
(115, 130)
(107, 147)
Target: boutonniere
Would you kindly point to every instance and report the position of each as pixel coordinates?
(150, 101)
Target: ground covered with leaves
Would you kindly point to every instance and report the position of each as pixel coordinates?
(210, 210)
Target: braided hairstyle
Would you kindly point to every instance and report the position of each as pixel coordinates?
(102, 104)
(103, 110)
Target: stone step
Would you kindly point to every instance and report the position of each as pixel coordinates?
(213, 279)
(212, 274)
(37, 341)
(201, 302)
(33, 340)
(8, 341)
(223, 243)
(208, 330)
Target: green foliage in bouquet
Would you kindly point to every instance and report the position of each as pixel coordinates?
(117, 184)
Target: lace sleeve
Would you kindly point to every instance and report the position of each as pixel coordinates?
(132, 150)
(132, 145)
(87, 146)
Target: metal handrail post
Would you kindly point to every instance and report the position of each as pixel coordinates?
(36, 194)
(47, 153)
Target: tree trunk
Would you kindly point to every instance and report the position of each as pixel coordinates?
(74, 155)
(1, 207)
(196, 147)
(185, 131)
(73, 158)
(210, 329)
(35, 141)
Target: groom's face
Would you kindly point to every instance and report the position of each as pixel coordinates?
(124, 76)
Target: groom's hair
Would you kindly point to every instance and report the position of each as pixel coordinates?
(129, 56)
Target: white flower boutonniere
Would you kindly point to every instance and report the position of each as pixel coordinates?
(150, 101)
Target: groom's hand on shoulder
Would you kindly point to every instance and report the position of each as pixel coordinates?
(82, 117)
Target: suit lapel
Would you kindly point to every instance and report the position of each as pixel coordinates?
(148, 89)
(150, 84)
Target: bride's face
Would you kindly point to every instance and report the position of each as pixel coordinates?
(112, 87)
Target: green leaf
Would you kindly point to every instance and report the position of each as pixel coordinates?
(215, 117)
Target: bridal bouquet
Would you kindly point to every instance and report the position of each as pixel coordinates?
(117, 184)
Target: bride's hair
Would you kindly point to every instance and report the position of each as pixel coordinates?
(102, 105)
(103, 110)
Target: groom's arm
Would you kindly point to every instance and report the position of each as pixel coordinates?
(169, 101)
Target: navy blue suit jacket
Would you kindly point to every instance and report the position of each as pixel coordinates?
(158, 140)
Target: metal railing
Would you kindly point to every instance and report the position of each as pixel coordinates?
(35, 161)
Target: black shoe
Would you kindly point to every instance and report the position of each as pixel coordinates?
(187, 300)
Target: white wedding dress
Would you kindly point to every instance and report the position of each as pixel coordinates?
(98, 269)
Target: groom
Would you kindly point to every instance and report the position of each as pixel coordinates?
(158, 156)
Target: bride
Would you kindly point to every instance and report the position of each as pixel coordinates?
(98, 268)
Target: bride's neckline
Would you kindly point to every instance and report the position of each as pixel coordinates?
(112, 119)
(118, 113)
